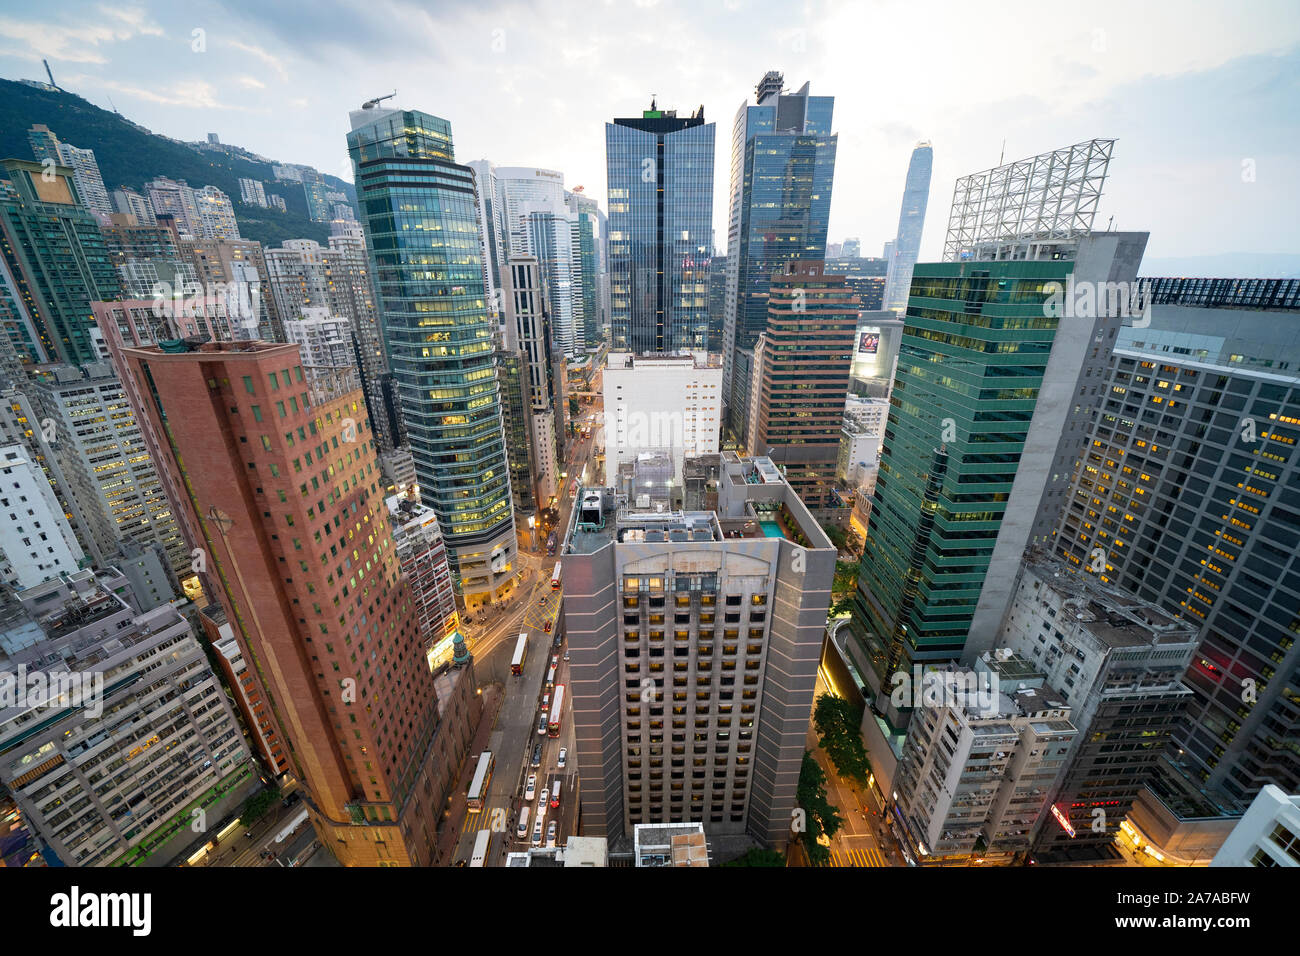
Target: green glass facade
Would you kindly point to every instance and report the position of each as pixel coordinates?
(55, 263)
(419, 212)
(974, 353)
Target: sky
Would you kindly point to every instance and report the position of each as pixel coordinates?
(1201, 96)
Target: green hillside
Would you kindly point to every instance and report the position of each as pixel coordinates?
(131, 156)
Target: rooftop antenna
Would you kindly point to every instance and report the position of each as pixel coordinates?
(652, 102)
(371, 104)
(1004, 152)
(1110, 225)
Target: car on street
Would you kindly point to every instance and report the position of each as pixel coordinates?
(563, 758)
(547, 628)
(521, 831)
(537, 756)
(541, 723)
(550, 832)
(537, 831)
(543, 802)
(566, 656)
(530, 788)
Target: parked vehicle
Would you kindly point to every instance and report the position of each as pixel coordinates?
(530, 788)
(521, 831)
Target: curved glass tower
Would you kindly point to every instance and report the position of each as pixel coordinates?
(419, 209)
(911, 220)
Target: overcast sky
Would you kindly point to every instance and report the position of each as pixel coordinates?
(1202, 96)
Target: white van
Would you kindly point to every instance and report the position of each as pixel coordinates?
(537, 832)
(521, 831)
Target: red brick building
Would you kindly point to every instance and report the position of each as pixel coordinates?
(279, 472)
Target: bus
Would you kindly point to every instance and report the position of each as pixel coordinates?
(481, 844)
(521, 650)
(478, 787)
(557, 712)
(555, 577)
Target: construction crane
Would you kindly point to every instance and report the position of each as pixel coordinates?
(371, 104)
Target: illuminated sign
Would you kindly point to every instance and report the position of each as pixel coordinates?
(1062, 820)
(869, 341)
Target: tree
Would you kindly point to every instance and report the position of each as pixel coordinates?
(846, 578)
(573, 407)
(820, 817)
(839, 537)
(837, 722)
(255, 807)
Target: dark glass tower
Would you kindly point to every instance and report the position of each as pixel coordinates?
(660, 169)
(419, 210)
(782, 167)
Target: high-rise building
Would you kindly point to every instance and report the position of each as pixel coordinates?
(1184, 496)
(235, 271)
(866, 277)
(747, 587)
(216, 214)
(36, 540)
(53, 264)
(438, 335)
(324, 340)
(168, 197)
(852, 249)
(989, 411)
(150, 737)
(979, 761)
(801, 380)
(911, 221)
(660, 170)
(782, 170)
(528, 335)
(279, 474)
(1118, 661)
(252, 192)
(82, 162)
(1268, 834)
(663, 404)
(588, 244)
(491, 233)
(422, 557)
(319, 206)
(130, 203)
(105, 464)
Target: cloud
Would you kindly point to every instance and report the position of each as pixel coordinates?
(274, 62)
(250, 82)
(75, 44)
(191, 94)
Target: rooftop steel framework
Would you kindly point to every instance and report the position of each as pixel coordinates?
(1049, 196)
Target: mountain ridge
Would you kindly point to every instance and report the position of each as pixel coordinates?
(130, 155)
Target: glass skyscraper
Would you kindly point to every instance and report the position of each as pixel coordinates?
(782, 168)
(419, 209)
(911, 220)
(660, 169)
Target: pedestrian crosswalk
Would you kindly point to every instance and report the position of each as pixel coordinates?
(866, 856)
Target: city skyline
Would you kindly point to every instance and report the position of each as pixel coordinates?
(286, 93)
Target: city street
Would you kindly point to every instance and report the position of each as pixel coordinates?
(860, 841)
